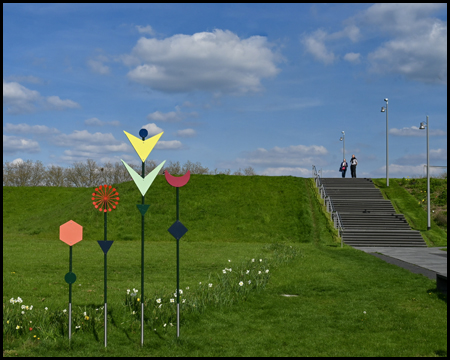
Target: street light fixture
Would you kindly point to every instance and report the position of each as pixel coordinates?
(387, 142)
(343, 149)
(422, 127)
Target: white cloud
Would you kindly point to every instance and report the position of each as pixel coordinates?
(29, 129)
(293, 171)
(186, 133)
(152, 129)
(54, 102)
(315, 45)
(171, 116)
(14, 144)
(165, 145)
(17, 161)
(98, 67)
(294, 156)
(437, 156)
(415, 131)
(208, 61)
(353, 57)
(28, 79)
(399, 171)
(145, 29)
(418, 48)
(97, 122)
(83, 144)
(18, 99)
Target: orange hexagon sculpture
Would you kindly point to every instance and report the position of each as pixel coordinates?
(71, 232)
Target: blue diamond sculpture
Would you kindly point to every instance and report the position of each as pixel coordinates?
(177, 230)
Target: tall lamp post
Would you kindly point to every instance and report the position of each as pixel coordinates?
(387, 142)
(422, 126)
(343, 148)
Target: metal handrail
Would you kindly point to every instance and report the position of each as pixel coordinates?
(339, 226)
(316, 176)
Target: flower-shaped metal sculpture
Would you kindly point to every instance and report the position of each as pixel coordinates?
(105, 198)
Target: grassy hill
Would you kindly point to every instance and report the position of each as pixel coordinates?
(213, 207)
(272, 232)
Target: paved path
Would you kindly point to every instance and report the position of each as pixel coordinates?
(425, 261)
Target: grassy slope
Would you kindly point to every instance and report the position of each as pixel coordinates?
(405, 203)
(228, 217)
(213, 208)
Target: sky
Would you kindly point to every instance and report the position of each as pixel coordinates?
(271, 86)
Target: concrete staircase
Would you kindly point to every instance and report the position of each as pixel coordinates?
(366, 218)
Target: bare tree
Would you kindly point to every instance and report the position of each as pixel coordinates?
(249, 171)
(196, 168)
(24, 173)
(84, 175)
(173, 168)
(56, 176)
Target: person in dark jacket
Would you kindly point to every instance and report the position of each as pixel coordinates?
(343, 168)
(353, 163)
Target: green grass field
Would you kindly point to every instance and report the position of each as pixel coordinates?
(347, 303)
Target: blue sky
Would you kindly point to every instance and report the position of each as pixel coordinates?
(231, 85)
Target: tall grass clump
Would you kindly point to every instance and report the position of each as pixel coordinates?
(227, 287)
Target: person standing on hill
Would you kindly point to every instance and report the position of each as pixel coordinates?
(343, 168)
(353, 163)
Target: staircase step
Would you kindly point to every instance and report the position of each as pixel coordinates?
(367, 218)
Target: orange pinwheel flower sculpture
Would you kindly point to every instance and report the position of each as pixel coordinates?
(105, 198)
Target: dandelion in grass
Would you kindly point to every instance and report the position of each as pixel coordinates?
(105, 198)
(241, 283)
(17, 327)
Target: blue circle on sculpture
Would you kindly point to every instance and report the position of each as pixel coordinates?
(143, 133)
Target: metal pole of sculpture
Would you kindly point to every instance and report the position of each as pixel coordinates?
(177, 230)
(143, 133)
(143, 148)
(70, 233)
(105, 199)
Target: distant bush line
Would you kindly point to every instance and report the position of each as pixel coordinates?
(89, 173)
